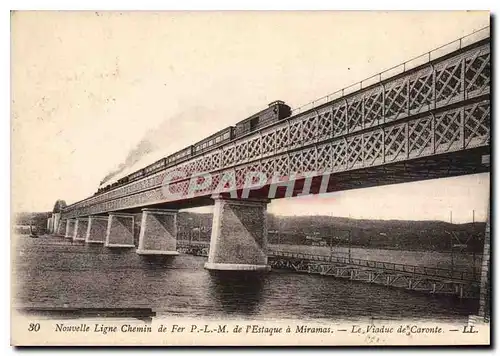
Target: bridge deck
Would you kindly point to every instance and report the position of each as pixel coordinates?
(438, 111)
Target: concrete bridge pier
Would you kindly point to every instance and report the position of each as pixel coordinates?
(239, 236)
(70, 228)
(56, 222)
(96, 230)
(61, 228)
(158, 234)
(49, 225)
(80, 231)
(120, 230)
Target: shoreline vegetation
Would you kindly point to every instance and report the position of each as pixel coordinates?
(334, 232)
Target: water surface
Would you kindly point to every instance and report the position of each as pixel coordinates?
(53, 272)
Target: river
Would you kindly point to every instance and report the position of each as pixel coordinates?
(54, 272)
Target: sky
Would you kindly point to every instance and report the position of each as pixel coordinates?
(88, 87)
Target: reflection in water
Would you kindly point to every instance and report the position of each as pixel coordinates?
(158, 262)
(237, 291)
(94, 248)
(119, 250)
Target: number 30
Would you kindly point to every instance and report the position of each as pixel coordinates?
(34, 327)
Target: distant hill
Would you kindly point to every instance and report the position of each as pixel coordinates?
(394, 234)
(389, 234)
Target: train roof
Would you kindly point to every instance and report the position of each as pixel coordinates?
(271, 104)
(211, 136)
(158, 154)
(143, 162)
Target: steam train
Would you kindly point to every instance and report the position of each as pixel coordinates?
(276, 111)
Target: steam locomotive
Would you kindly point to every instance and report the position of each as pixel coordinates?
(276, 111)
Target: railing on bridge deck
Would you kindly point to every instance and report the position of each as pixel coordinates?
(425, 58)
(470, 275)
(388, 266)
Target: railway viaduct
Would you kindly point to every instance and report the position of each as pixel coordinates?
(427, 118)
